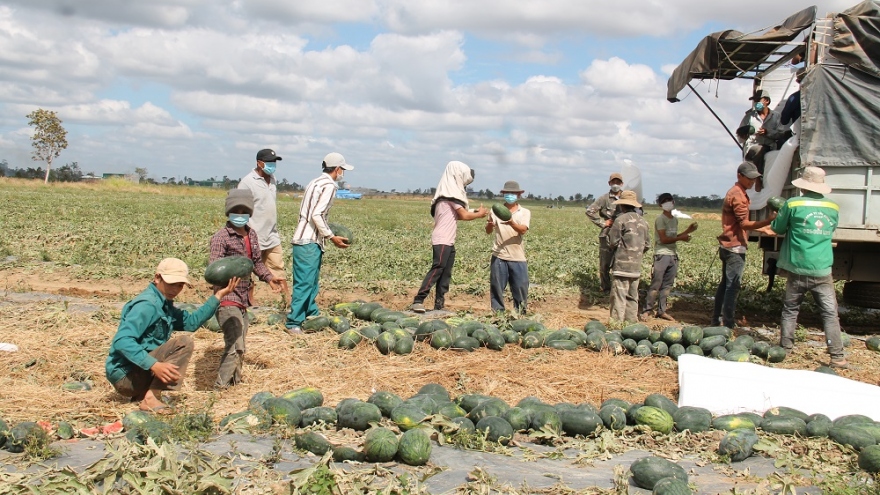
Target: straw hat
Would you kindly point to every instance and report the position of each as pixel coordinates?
(628, 198)
(511, 186)
(812, 179)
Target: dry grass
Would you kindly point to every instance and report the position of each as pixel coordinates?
(57, 345)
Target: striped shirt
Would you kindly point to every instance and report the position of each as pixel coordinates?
(227, 242)
(316, 203)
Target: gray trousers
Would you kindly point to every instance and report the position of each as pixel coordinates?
(662, 278)
(625, 299)
(606, 257)
(822, 289)
(177, 351)
(234, 324)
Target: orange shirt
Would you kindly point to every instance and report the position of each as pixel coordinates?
(734, 212)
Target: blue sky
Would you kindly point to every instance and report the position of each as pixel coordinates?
(555, 94)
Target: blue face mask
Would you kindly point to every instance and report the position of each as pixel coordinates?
(510, 198)
(759, 106)
(239, 219)
(269, 168)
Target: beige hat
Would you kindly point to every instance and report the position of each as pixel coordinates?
(615, 175)
(812, 179)
(628, 198)
(334, 160)
(173, 271)
(511, 186)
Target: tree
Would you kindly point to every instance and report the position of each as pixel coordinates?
(68, 173)
(49, 137)
(141, 173)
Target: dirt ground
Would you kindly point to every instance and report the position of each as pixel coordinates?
(58, 345)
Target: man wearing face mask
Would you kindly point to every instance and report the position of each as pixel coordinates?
(310, 237)
(262, 185)
(665, 258)
(236, 238)
(601, 213)
(508, 263)
(759, 130)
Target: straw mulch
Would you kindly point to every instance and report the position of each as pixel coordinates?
(58, 345)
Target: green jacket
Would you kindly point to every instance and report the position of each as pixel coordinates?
(146, 323)
(808, 222)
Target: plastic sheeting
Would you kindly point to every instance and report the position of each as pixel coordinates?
(632, 178)
(776, 170)
(725, 387)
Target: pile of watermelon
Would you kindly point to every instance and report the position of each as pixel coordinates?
(385, 413)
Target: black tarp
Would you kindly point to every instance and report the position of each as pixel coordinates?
(840, 117)
(856, 40)
(731, 54)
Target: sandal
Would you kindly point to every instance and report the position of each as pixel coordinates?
(162, 410)
(843, 365)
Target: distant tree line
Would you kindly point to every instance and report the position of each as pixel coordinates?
(66, 173)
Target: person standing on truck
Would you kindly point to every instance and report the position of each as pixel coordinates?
(808, 222)
(601, 213)
(734, 243)
(759, 130)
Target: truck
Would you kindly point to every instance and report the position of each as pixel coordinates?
(838, 130)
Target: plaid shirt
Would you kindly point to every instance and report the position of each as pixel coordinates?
(227, 242)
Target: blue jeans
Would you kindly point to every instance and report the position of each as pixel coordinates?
(822, 289)
(517, 274)
(306, 272)
(732, 267)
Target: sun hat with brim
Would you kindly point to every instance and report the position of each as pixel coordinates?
(240, 197)
(173, 271)
(511, 186)
(812, 179)
(628, 198)
(336, 160)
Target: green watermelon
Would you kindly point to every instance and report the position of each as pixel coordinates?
(25, 434)
(695, 419)
(642, 350)
(647, 471)
(869, 458)
(655, 418)
(220, 271)
(671, 486)
(414, 447)
(342, 231)
(380, 445)
(819, 426)
(339, 324)
(636, 331)
(671, 335)
(518, 418)
(65, 430)
(404, 345)
(316, 415)
(760, 349)
(464, 424)
(441, 339)
(776, 354)
(578, 421)
(712, 341)
(853, 436)
(730, 422)
(357, 415)
(344, 453)
(659, 348)
(497, 429)
(776, 203)
(613, 417)
(595, 325)
(738, 444)
(501, 211)
(349, 339)
(691, 335)
(716, 331)
(873, 343)
(784, 425)
(660, 401)
(315, 324)
(385, 401)
(675, 351)
(466, 344)
(283, 411)
(314, 442)
(694, 349)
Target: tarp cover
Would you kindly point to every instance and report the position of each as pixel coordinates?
(729, 54)
(840, 117)
(856, 40)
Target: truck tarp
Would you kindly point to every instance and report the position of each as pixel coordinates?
(856, 40)
(840, 117)
(731, 54)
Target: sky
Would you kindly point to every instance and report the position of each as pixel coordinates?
(555, 94)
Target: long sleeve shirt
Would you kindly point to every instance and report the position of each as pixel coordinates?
(146, 323)
(630, 240)
(602, 210)
(265, 217)
(313, 212)
(734, 211)
(808, 223)
(227, 242)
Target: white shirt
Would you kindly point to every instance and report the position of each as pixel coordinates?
(265, 217)
(313, 211)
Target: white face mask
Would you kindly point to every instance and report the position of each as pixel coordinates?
(616, 188)
(668, 206)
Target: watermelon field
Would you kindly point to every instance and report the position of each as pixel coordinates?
(74, 253)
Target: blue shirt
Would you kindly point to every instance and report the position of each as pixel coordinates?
(146, 323)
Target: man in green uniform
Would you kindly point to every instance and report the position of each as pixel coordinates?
(629, 239)
(808, 222)
(601, 213)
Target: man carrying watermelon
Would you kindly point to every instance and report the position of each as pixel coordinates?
(508, 263)
(601, 213)
(450, 204)
(144, 358)
(808, 222)
(309, 238)
(262, 185)
(236, 238)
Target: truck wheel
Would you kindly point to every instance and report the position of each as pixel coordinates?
(864, 294)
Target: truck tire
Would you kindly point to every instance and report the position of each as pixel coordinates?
(864, 294)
